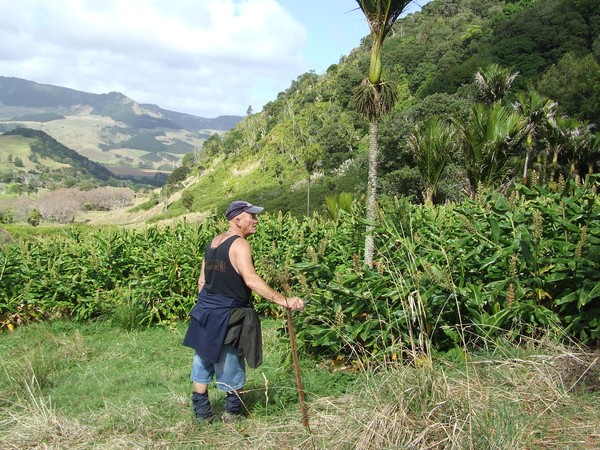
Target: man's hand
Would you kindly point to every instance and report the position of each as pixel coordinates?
(295, 303)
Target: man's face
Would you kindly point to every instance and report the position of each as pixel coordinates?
(247, 223)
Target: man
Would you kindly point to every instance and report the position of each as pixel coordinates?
(223, 325)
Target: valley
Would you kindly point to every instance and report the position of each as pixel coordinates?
(88, 134)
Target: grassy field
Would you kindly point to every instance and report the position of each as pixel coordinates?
(66, 385)
(18, 147)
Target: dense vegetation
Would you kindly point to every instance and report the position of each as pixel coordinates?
(518, 252)
(443, 277)
(512, 83)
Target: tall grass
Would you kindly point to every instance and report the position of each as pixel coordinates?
(94, 385)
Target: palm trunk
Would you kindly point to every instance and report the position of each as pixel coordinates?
(544, 163)
(555, 155)
(375, 66)
(525, 169)
(371, 193)
(429, 196)
(308, 198)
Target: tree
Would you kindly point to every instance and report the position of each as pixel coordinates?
(165, 192)
(34, 217)
(433, 145)
(311, 156)
(574, 82)
(489, 140)
(107, 198)
(567, 140)
(187, 198)
(302, 130)
(494, 82)
(374, 97)
(253, 128)
(591, 153)
(6, 215)
(188, 160)
(179, 175)
(539, 112)
(61, 205)
(212, 145)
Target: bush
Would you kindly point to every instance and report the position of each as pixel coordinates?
(187, 198)
(444, 276)
(6, 215)
(34, 217)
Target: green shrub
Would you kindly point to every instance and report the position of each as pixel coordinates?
(445, 276)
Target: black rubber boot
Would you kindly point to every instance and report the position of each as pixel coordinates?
(233, 407)
(202, 409)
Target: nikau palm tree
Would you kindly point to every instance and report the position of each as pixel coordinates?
(433, 145)
(567, 138)
(539, 112)
(591, 151)
(494, 82)
(489, 141)
(374, 97)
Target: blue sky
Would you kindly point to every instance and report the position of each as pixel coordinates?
(334, 28)
(202, 57)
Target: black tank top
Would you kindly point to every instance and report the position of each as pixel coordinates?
(219, 275)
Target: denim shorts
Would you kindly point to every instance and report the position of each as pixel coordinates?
(229, 370)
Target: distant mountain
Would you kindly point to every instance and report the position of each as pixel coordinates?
(19, 93)
(111, 128)
(191, 122)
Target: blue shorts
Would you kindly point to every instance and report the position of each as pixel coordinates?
(229, 370)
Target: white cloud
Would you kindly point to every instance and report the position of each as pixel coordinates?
(205, 57)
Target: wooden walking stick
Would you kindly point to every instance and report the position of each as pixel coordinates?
(303, 411)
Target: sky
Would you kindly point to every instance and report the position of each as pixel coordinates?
(201, 57)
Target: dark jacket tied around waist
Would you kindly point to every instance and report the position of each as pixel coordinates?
(217, 320)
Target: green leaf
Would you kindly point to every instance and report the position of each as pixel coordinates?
(526, 249)
(495, 229)
(586, 297)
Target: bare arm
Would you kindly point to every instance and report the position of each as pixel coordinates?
(241, 258)
(201, 279)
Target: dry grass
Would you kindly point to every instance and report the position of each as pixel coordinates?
(140, 218)
(503, 404)
(32, 422)
(539, 396)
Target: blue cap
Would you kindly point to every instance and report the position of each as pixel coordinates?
(239, 206)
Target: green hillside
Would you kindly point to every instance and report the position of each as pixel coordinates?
(19, 145)
(45, 146)
(310, 143)
(31, 160)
